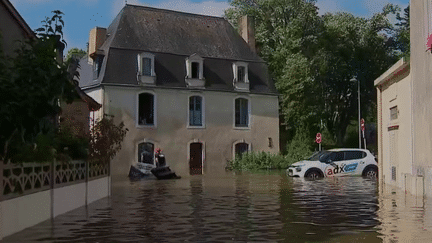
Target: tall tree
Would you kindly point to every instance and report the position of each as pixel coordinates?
(313, 58)
(402, 35)
(37, 80)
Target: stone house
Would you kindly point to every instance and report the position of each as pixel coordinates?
(404, 114)
(186, 83)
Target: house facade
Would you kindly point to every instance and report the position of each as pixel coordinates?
(185, 83)
(404, 114)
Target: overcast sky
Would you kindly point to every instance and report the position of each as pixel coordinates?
(82, 15)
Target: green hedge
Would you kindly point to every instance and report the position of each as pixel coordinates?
(259, 161)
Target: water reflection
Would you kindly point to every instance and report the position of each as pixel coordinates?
(266, 207)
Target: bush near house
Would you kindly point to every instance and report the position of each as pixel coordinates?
(253, 161)
(98, 146)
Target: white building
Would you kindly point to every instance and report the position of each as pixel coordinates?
(186, 83)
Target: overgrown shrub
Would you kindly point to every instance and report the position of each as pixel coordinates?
(258, 161)
(106, 139)
(70, 146)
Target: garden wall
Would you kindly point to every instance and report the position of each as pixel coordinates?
(33, 192)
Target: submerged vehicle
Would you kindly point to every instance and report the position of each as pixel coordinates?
(336, 162)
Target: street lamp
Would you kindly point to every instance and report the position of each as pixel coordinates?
(358, 95)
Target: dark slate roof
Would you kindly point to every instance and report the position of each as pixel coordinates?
(172, 37)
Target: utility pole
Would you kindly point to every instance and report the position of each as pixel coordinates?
(359, 126)
(358, 95)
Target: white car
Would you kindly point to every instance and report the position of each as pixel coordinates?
(336, 162)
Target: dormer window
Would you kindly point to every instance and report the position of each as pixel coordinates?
(241, 79)
(146, 66)
(194, 69)
(97, 65)
(241, 74)
(146, 72)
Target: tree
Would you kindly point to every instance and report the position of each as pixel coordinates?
(30, 92)
(106, 139)
(75, 53)
(402, 35)
(313, 58)
(352, 47)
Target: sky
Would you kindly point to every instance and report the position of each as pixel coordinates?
(80, 16)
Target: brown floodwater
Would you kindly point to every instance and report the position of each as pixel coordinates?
(246, 207)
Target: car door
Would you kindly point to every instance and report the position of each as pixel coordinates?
(334, 163)
(354, 162)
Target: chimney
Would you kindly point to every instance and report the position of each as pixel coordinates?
(96, 39)
(247, 31)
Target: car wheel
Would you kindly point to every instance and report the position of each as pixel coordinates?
(313, 175)
(371, 172)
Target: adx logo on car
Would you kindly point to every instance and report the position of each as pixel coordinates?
(332, 170)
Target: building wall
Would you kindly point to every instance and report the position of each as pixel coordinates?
(396, 134)
(172, 135)
(76, 116)
(421, 63)
(11, 31)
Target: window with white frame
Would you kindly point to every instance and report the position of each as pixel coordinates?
(196, 111)
(146, 109)
(146, 68)
(97, 66)
(240, 70)
(194, 67)
(146, 64)
(241, 112)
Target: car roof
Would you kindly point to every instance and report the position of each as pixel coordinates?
(348, 149)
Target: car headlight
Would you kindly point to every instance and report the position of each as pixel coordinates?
(298, 169)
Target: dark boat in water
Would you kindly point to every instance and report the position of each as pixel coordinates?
(164, 172)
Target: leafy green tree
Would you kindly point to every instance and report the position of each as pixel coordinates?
(313, 58)
(106, 139)
(75, 53)
(402, 35)
(353, 47)
(30, 92)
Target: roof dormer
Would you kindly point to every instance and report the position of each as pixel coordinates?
(195, 71)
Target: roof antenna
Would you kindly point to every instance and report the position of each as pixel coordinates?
(125, 2)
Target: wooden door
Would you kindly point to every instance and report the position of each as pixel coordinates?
(195, 161)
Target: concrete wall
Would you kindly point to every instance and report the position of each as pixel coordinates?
(97, 95)
(173, 135)
(26, 211)
(421, 66)
(397, 149)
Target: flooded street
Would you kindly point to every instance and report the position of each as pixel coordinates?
(264, 207)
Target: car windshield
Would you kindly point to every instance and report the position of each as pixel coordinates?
(318, 155)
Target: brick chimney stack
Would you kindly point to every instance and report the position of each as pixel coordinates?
(247, 31)
(96, 39)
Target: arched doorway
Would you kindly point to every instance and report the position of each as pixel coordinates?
(241, 148)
